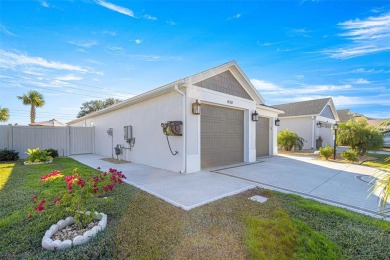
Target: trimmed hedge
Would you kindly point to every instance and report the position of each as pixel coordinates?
(350, 155)
(8, 155)
(326, 152)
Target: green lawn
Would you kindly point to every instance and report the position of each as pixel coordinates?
(380, 162)
(144, 227)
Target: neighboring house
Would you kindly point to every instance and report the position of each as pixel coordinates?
(347, 114)
(52, 122)
(222, 134)
(310, 119)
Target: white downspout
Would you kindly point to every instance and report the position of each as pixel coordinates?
(184, 128)
(313, 133)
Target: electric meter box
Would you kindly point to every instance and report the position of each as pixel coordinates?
(128, 133)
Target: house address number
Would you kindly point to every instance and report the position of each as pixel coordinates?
(230, 102)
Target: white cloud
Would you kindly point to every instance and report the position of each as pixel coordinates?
(11, 60)
(263, 85)
(360, 81)
(374, 71)
(170, 22)
(69, 77)
(4, 30)
(115, 48)
(236, 16)
(84, 44)
(149, 17)
(116, 8)
(299, 76)
(109, 33)
(137, 41)
(45, 4)
(367, 36)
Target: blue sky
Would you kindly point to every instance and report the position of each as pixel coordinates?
(75, 51)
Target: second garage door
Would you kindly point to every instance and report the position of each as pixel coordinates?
(222, 136)
(262, 137)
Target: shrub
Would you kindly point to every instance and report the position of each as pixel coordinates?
(350, 155)
(52, 152)
(8, 155)
(289, 140)
(34, 155)
(358, 134)
(326, 152)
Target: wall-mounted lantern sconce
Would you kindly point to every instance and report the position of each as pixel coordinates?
(319, 124)
(196, 108)
(92, 124)
(277, 122)
(255, 116)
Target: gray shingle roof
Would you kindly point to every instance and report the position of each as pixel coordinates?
(344, 115)
(309, 107)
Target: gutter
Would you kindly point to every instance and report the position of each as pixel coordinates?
(184, 128)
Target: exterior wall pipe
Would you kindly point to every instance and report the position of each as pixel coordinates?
(184, 128)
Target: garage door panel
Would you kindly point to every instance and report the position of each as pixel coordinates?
(222, 136)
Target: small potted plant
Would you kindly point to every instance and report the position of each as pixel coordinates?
(76, 201)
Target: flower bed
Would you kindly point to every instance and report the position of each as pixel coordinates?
(32, 163)
(64, 234)
(74, 200)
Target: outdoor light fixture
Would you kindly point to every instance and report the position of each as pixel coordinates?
(196, 108)
(255, 116)
(319, 124)
(335, 127)
(277, 122)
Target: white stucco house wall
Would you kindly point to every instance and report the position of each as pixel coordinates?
(222, 134)
(310, 120)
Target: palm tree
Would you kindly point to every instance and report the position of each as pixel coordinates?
(4, 114)
(34, 99)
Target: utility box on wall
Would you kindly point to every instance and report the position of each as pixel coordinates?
(128, 133)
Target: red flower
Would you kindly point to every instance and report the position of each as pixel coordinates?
(56, 200)
(40, 208)
(29, 216)
(35, 196)
(42, 202)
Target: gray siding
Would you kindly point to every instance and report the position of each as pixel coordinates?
(327, 112)
(225, 83)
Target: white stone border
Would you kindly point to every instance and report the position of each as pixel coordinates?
(34, 163)
(49, 244)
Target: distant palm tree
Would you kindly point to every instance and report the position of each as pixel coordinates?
(34, 99)
(4, 114)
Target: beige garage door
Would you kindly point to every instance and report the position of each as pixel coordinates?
(262, 137)
(222, 136)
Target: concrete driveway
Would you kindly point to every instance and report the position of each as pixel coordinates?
(343, 185)
(338, 184)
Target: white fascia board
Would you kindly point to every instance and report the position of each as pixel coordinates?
(270, 109)
(290, 117)
(131, 101)
(325, 120)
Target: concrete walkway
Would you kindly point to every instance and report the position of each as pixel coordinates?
(343, 185)
(186, 191)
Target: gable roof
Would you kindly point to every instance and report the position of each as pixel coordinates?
(307, 108)
(52, 122)
(231, 66)
(346, 114)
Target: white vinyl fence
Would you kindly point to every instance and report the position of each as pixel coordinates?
(66, 140)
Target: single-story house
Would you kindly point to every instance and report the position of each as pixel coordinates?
(52, 122)
(212, 123)
(310, 120)
(347, 114)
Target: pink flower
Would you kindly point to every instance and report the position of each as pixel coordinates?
(40, 208)
(35, 196)
(56, 200)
